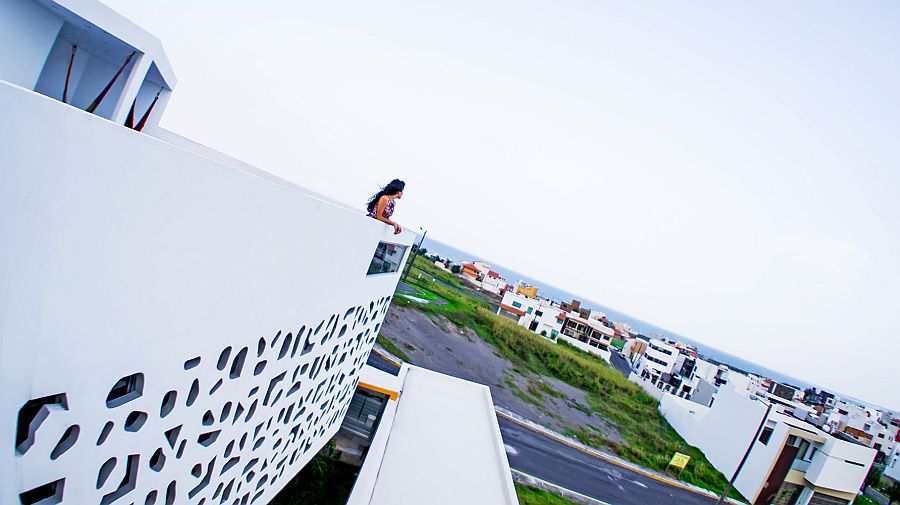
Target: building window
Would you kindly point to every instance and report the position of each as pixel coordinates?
(554, 333)
(538, 313)
(517, 305)
(529, 310)
(765, 435)
(387, 259)
(560, 321)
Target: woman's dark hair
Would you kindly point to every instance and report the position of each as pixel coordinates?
(391, 189)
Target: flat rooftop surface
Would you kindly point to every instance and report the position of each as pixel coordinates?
(444, 446)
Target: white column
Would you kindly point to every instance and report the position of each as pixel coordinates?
(132, 86)
(805, 496)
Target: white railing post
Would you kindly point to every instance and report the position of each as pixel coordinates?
(132, 86)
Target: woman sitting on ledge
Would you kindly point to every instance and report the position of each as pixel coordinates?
(381, 205)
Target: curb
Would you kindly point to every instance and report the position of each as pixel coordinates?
(394, 360)
(531, 425)
(531, 480)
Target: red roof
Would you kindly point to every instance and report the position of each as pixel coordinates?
(493, 274)
(469, 265)
(513, 309)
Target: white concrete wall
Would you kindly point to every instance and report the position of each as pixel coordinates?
(892, 470)
(584, 346)
(27, 32)
(840, 465)
(240, 296)
(725, 433)
(648, 388)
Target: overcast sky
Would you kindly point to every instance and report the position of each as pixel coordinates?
(728, 171)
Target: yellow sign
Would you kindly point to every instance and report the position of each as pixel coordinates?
(680, 460)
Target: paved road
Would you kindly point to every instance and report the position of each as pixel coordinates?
(620, 363)
(377, 361)
(570, 468)
(875, 495)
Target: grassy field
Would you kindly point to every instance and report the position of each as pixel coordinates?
(648, 439)
(529, 495)
(864, 500)
(391, 347)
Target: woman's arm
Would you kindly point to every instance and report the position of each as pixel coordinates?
(379, 214)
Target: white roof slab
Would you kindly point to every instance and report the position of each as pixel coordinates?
(94, 22)
(442, 446)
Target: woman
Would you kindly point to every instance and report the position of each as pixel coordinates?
(381, 205)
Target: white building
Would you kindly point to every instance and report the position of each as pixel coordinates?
(178, 325)
(493, 282)
(792, 462)
(539, 315)
(658, 360)
(892, 464)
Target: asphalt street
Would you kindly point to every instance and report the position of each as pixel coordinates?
(378, 361)
(565, 466)
(620, 363)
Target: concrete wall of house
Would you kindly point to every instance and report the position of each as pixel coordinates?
(840, 465)
(584, 346)
(727, 430)
(892, 469)
(242, 301)
(27, 32)
(703, 393)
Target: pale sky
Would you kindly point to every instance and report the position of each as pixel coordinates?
(725, 170)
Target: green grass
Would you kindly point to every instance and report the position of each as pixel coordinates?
(418, 293)
(529, 495)
(431, 269)
(864, 500)
(618, 344)
(547, 389)
(647, 438)
(392, 348)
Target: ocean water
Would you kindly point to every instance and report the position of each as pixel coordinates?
(552, 292)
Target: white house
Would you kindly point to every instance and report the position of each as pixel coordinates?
(539, 315)
(177, 325)
(493, 282)
(792, 462)
(892, 464)
(658, 360)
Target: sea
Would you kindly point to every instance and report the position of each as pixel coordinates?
(552, 292)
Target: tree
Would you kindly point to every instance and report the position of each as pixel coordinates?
(893, 492)
(873, 479)
(456, 269)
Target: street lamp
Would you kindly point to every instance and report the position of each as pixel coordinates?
(762, 424)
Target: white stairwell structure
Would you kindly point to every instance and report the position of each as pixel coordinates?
(175, 326)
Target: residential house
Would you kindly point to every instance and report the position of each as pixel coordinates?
(589, 331)
(792, 462)
(539, 315)
(526, 290)
(492, 282)
(471, 273)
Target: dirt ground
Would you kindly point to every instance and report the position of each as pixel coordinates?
(441, 346)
